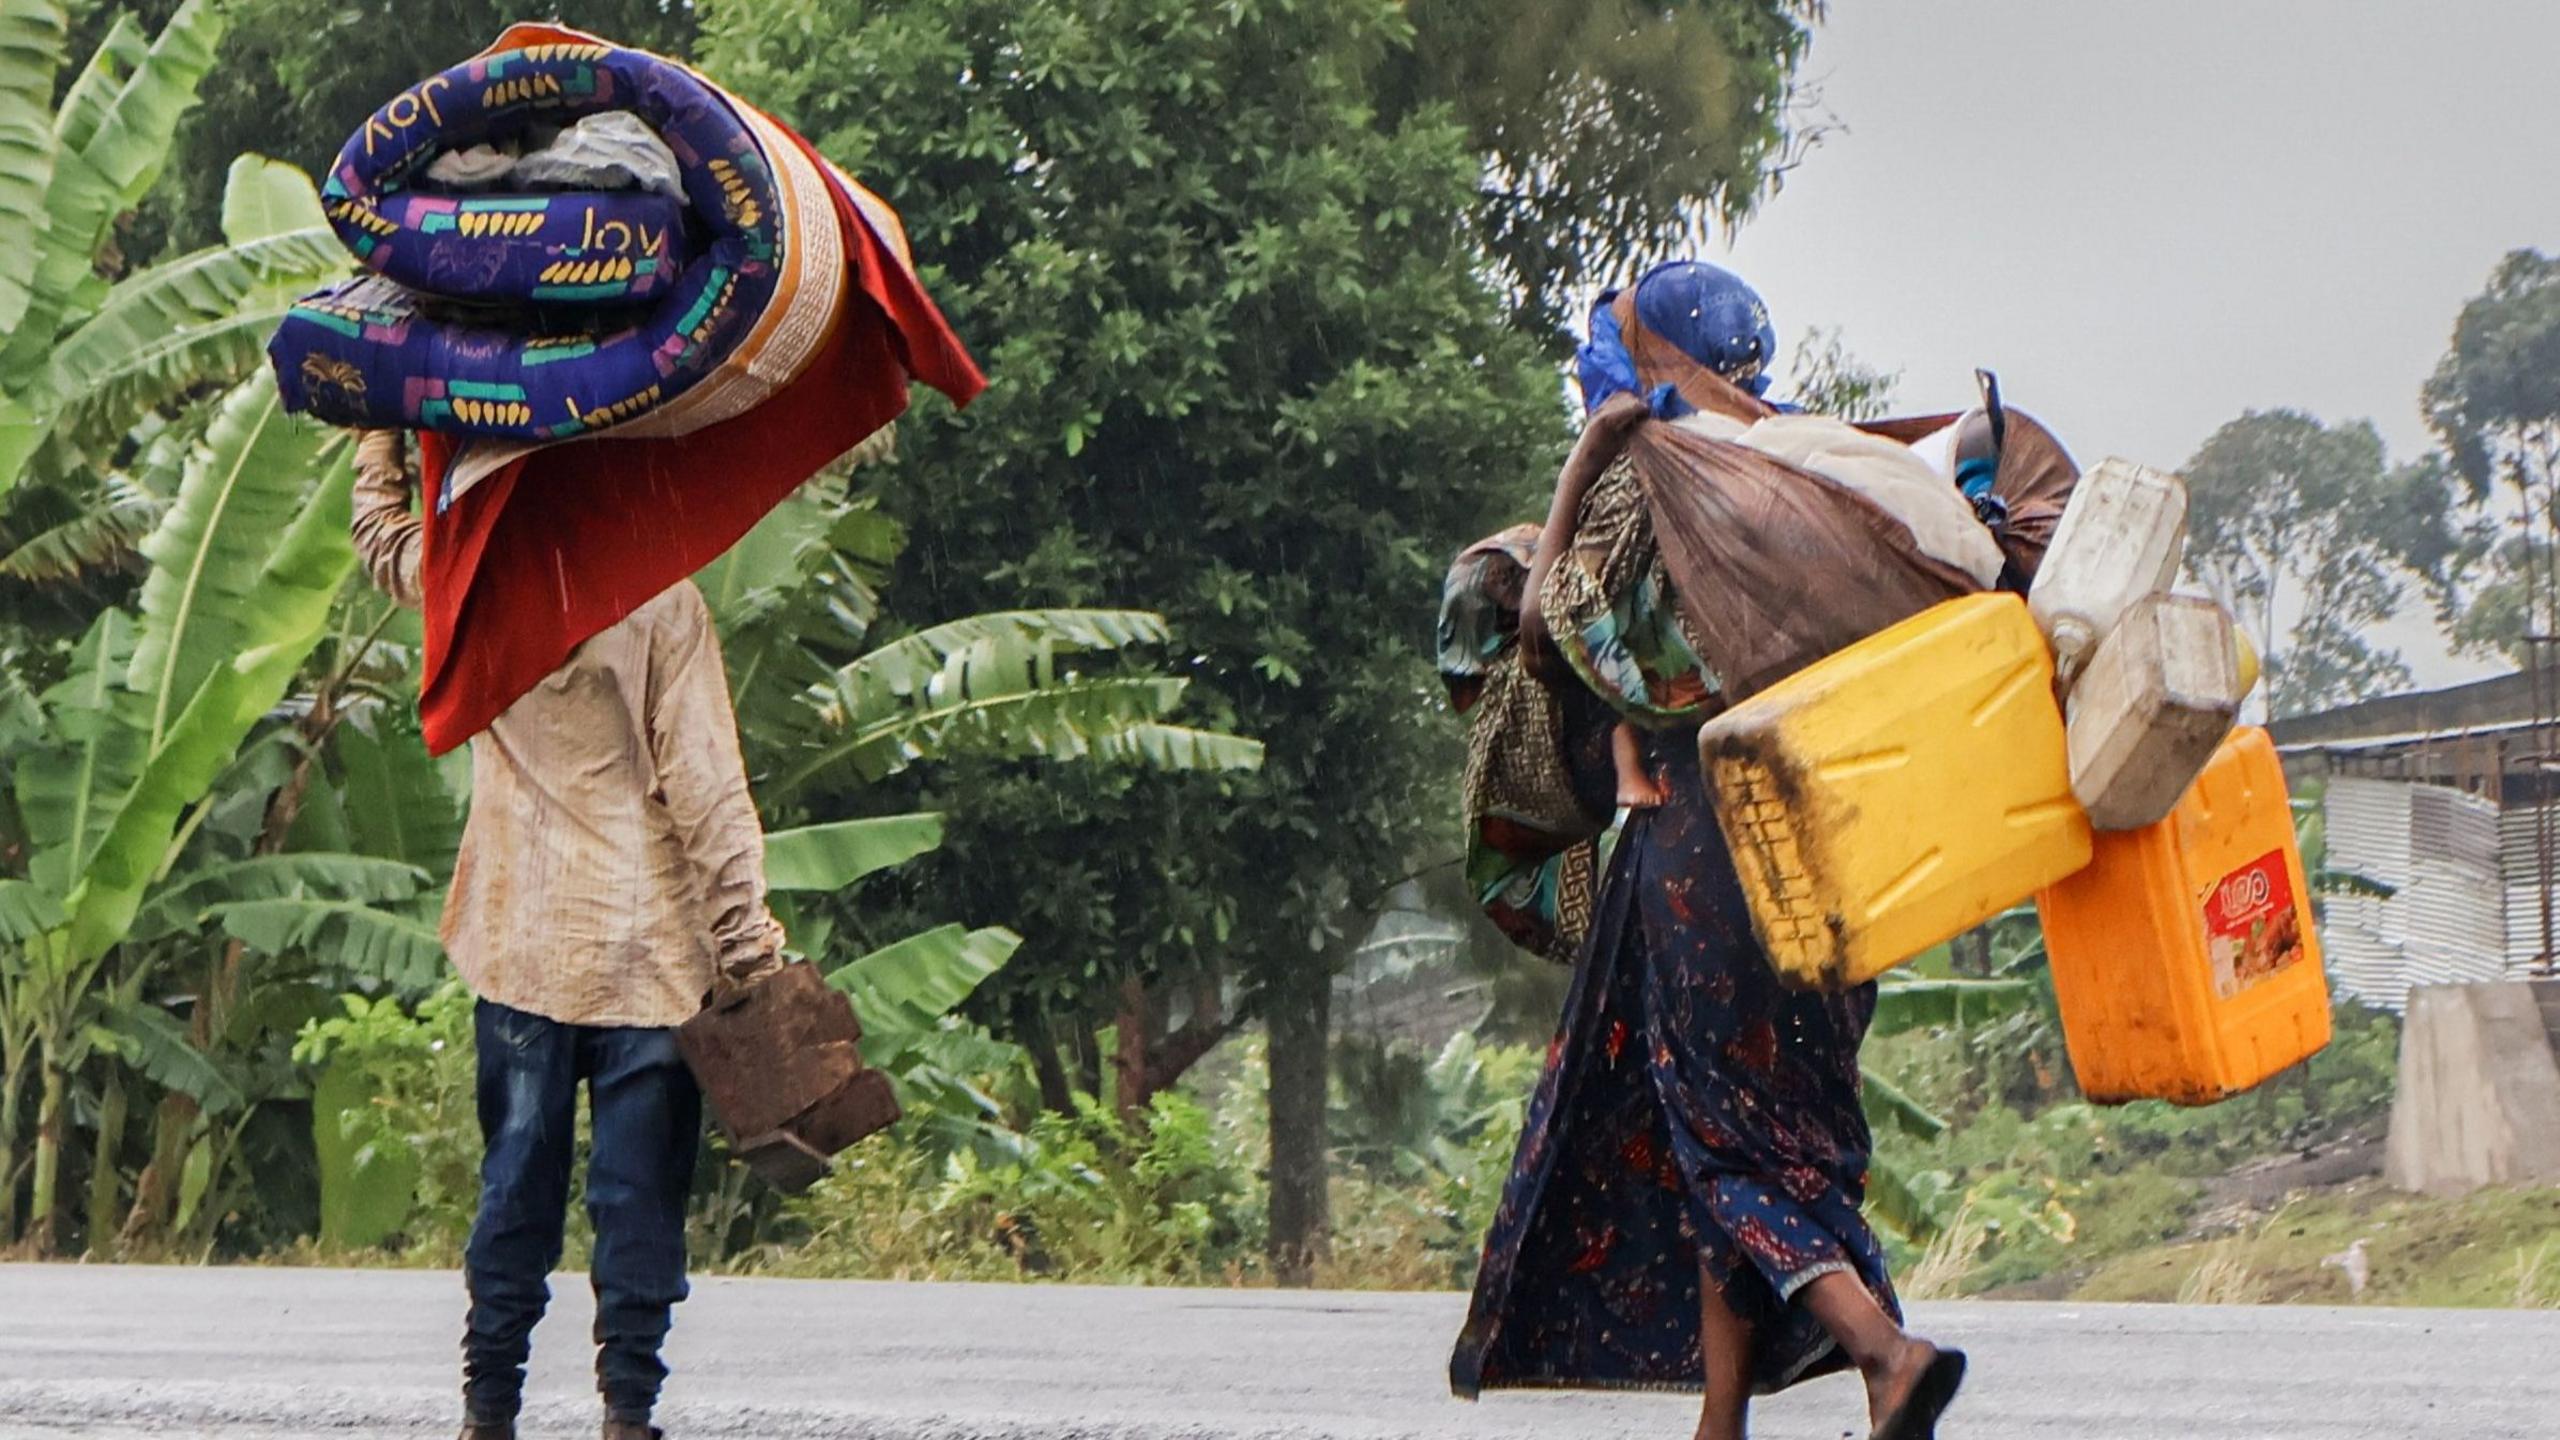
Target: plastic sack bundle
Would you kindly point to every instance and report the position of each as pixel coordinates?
(1894, 479)
(609, 150)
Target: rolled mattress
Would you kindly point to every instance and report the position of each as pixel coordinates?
(612, 309)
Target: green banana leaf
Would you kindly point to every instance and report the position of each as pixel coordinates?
(27, 910)
(21, 717)
(22, 433)
(1927, 1004)
(126, 144)
(992, 685)
(831, 857)
(355, 939)
(184, 904)
(31, 43)
(123, 514)
(758, 574)
(396, 804)
(1002, 641)
(287, 611)
(1178, 747)
(71, 786)
(263, 198)
(155, 1043)
(131, 142)
(910, 985)
(202, 603)
(988, 705)
(86, 105)
(1899, 1108)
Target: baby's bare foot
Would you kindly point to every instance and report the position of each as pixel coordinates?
(1641, 795)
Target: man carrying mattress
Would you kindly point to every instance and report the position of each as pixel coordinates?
(613, 858)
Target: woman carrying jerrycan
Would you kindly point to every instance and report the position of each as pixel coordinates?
(1683, 1211)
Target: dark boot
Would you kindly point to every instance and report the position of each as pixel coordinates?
(632, 1430)
(476, 1431)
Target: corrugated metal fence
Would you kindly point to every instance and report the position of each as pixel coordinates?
(2466, 901)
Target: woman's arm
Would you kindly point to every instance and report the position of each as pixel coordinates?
(1603, 437)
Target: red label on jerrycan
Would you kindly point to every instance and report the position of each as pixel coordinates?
(2251, 925)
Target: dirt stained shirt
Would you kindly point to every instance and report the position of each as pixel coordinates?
(613, 856)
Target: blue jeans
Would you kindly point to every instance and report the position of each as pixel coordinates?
(648, 1126)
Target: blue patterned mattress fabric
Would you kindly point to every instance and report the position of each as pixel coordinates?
(607, 304)
(597, 247)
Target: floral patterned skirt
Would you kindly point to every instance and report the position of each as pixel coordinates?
(1696, 1116)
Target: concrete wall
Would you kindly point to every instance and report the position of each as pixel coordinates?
(2479, 1098)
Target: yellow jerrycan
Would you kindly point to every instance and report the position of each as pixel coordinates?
(1897, 793)
(2184, 958)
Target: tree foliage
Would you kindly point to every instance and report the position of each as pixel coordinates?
(1246, 372)
(2494, 402)
(2311, 537)
(1827, 379)
(1611, 130)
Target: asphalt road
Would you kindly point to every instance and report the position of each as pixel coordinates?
(265, 1354)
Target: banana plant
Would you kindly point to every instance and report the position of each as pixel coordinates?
(1918, 1204)
(87, 356)
(826, 709)
(908, 991)
(121, 768)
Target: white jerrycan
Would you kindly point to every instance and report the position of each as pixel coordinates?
(2158, 697)
(2120, 539)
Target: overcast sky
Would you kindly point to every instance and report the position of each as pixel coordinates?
(2150, 215)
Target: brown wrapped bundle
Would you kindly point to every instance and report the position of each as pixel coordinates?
(1773, 566)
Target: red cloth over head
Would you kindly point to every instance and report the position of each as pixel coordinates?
(547, 552)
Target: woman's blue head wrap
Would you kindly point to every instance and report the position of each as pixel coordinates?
(1707, 312)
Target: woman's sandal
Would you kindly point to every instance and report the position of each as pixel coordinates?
(1917, 1418)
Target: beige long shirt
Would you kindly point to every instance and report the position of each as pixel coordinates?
(613, 855)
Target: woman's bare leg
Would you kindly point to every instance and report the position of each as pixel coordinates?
(1724, 1342)
(1893, 1362)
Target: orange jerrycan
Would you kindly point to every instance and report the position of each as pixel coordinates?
(1899, 792)
(2184, 958)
